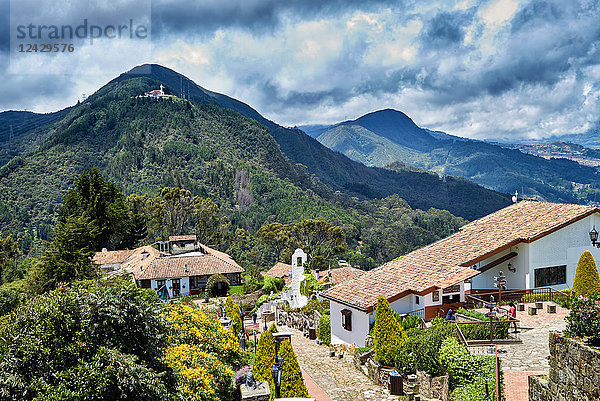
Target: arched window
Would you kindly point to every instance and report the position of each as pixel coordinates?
(347, 319)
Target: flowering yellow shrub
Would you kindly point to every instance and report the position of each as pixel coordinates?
(189, 325)
(202, 353)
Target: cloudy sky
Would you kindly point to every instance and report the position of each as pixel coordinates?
(481, 69)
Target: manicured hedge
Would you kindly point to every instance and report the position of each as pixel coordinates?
(387, 332)
(324, 329)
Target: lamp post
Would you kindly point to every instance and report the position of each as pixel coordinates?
(254, 333)
(276, 374)
(594, 237)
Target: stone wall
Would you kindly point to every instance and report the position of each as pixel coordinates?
(298, 320)
(574, 372)
(433, 387)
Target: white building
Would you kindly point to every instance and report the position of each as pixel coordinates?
(181, 266)
(535, 245)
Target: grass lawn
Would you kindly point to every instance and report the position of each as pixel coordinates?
(236, 289)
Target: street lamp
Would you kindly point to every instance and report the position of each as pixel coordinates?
(276, 374)
(594, 237)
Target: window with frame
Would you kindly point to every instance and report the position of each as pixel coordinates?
(160, 284)
(417, 300)
(554, 275)
(347, 319)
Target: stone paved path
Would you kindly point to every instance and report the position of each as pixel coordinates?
(339, 378)
(531, 357)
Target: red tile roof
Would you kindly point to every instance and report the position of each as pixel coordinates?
(187, 266)
(447, 261)
(340, 274)
(111, 257)
(280, 270)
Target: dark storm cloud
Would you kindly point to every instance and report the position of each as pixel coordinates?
(446, 29)
(205, 17)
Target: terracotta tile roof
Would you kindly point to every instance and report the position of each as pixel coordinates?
(278, 270)
(111, 257)
(186, 266)
(182, 238)
(447, 261)
(339, 275)
(140, 259)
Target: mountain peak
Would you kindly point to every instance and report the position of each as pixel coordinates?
(395, 126)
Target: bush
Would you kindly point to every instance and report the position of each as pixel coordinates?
(77, 343)
(467, 372)
(265, 357)
(314, 305)
(584, 319)
(586, 276)
(309, 285)
(387, 332)
(233, 312)
(271, 284)
(411, 322)
(324, 329)
(421, 350)
(204, 354)
(292, 384)
(481, 330)
(217, 285)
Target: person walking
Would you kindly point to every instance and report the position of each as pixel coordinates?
(512, 315)
(254, 317)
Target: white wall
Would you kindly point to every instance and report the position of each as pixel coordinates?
(562, 247)
(360, 325)
(183, 281)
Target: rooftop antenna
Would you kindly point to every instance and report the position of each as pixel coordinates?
(515, 197)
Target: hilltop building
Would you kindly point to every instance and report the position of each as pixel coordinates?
(535, 245)
(173, 268)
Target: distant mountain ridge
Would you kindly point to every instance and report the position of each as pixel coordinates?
(386, 136)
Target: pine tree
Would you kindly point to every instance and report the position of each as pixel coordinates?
(292, 384)
(388, 333)
(586, 276)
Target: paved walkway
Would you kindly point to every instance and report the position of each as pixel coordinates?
(338, 378)
(531, 357)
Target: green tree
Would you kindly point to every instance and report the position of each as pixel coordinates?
(586, 276)
(319, 238)
(9, 254)
(388, 333)
(105, 206)
(99, 340)
(276, 237)
(292, 384)
(67, 257)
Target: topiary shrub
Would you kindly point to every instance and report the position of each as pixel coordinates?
(233, 312)
(292, 384)
(324, 329)
(217, 285)
(265, 357)
(387, 332)
(586, 281)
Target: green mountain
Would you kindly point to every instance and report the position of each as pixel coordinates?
(388, 136)
(144, 144)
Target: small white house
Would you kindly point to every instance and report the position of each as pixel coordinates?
(535, 245)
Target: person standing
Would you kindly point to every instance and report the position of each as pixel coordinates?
(450, 316)
(512, 314)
